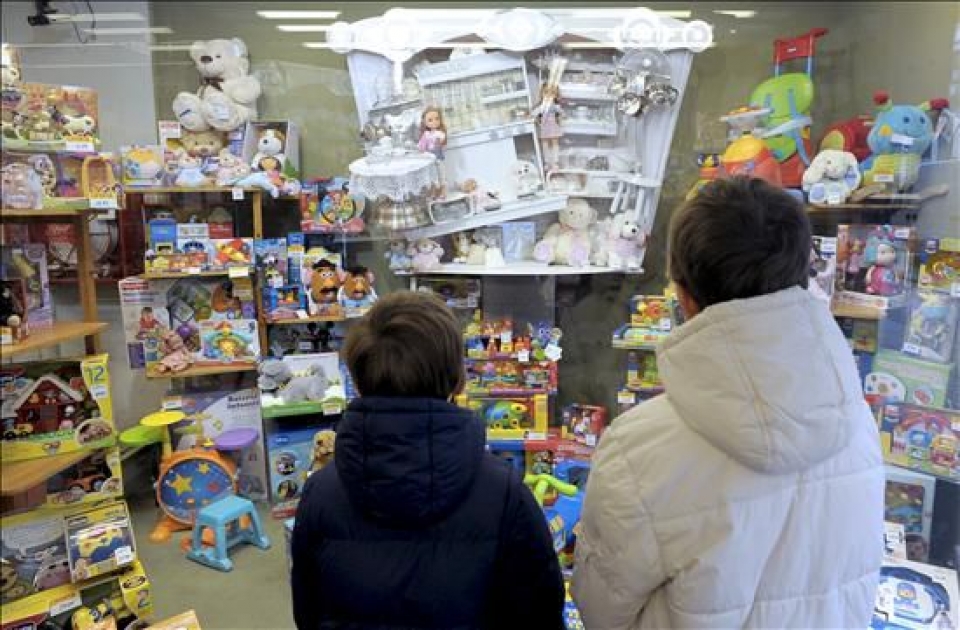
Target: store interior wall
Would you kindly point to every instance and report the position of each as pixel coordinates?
(905, 48)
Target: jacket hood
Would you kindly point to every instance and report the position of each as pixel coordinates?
(408, 461)
(768, 380)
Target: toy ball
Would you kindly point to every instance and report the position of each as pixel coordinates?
(185, 331)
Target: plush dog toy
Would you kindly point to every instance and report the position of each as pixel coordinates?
(619, 244)
(324, 443)
(831, 177)
(227, 98)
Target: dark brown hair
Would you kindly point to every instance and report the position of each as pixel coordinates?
(739, 238)
(408, 345)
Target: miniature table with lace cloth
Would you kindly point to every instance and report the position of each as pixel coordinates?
(398, 177)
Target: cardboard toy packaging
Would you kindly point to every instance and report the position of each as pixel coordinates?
(915, 595)
(99, 540)
(897, 377)
(874, 264)
(924, 439)
(294, 452)
(28, 262)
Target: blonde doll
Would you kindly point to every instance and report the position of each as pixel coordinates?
(548, 114)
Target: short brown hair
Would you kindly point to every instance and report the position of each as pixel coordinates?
(739, 238)
(409, 345)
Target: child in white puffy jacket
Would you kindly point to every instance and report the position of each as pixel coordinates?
(750, 494)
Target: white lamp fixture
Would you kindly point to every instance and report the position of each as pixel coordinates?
(299, 15)
(100, 17)
(154, 30)
(318, 45)
(304, 28)
(740, 15)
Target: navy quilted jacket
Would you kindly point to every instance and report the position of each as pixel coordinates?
(417, 527)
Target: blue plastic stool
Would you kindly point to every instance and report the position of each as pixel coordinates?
(223, 517)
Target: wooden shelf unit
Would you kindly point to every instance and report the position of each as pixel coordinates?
(60, 332)
(21, 477)
(205, 370)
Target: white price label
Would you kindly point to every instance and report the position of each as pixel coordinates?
(955, 290)
(883, 178)
(193, 271)
(237, 194)
(901, 139)
(103, 203)
(626, 398)
(523, 356)
(60, 606)
(305, 346)
(80, 146)
(302, 314)
(123, 555)
(99, 392)
(238, 272)
(911, 348)
(331, 409)
(172, 403)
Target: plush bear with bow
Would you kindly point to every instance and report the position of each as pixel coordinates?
(567, 242)
(227, 98)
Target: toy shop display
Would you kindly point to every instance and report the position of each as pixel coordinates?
(897, 377)
(293, 453)
(650, 322)
(874, 263)
(99, 541)
(55, 407)
(398, 188)
(302, 384)
(327, 205)
(91, 480)
(932, 326)
(142, 165)
(50, 117)
(33, 557)
(583, 423)
(924, 439)
(916, 595)
(908, 500)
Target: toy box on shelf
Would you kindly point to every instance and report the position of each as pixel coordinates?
(908, 500)
(212, 412)
(823, 267)
(940, 266)
(56, 407)
(456, 292)
(99, 540)
(28, 263)
(93, 479)
(510, 376)
(327, 206)
(304, 338)
(915, 595)
(50, 117)
(583, 423)
(301, 384)
(228, 342)
(511, 417)
(922, 439)
(873, 265)
(14, 326)
(897, 377)
(293, 454)
(152, 308)
(650, 321)
(932, 325)
(272, 146)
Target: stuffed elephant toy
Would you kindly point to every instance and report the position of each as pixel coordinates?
(831, 177)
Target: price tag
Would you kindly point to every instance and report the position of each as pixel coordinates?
(331, 409)
(305, 346)
(883, 178)
(99, 392)
(955, 290)
(590, 439)
(169, 129)
(172, 403)
(193, 271)
(902, 140)
(238, 272)
(103, 203)
(523, 356)
(80, 146)
(60, 606)
(625, 397)
(237, 194)
(302, 314)
(665, 323)
(123, 555)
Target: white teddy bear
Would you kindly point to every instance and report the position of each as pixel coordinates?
(619, 243)
(567, 242)
(831, 177)
(227, 98)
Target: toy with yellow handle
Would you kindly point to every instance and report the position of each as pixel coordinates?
(546, 486)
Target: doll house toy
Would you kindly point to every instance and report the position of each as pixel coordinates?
(922, 438)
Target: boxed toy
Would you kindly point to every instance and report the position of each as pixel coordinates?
(326, 205)
(211, 412)
(940, 266)
(90, 480)
(894, 540)
(142, 165)
(99, 540)
(272, 146)
(499, 376)
(519, 237)
(50, 117)
(650, 321)
(511, 417)
(922, 439)
(897, 377)
(28, 262)
(909, 500)
(228, 341)
(932, 327)
(304, 338)
(293, 454)
(231, 252)
(456, 292)
(194, 238)
(823, 267)
(915, 595)
(583, 423)
(33, 555)
(873, 264)
(271, 261)
(302, 384)
(55, 407)
(14, 326)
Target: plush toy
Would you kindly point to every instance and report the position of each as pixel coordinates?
(9, 76)
(82, 126)
(567, 242)
(263, 180)
(526, 178)
(191, 172)
(323, 449)
(900, 135)
(176, 357)
(619, 243)
(22, 187)
(230, 169)
(492, 252)
(461, 247)
(357, 289)
(311, 386)
(202, 144)
(425, 254)
(831, 177)
(881, 255)
(477, 254)
(227, 98)
(325, 282)
(269, 156)
(11, 310)
(397, 256)
(273, 374)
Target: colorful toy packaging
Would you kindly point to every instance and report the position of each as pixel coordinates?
(583, 423)
(28, 263)
(226, 342)
(513, 417)
(302, 384)
(650, 321)
(99, 540)
(91, 480)
(55, 407)
(940, 266)
(326, 205)
(272, 147)
(897, 377)
(873, 264)
(33, 556)
(932, 326)
(915, 595)
(142, 165)
(320, 274)
(922, 439)
(908, 500)
(50, 117)
(894, 540)
(293, 454)
(823, 267)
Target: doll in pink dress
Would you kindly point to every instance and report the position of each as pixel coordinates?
(548, 114)
(433, 137)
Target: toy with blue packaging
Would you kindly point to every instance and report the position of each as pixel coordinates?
(327, 205)
(914, 595)
(293, 453)
(99, 540)
(511, 417)
(932, 326)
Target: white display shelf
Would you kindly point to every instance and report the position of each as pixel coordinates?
(585, 92)
(467, 67)
(486, 134)
(526, 268)
(511, 211)
(404, 103)
(586, 128)
(499, 98)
